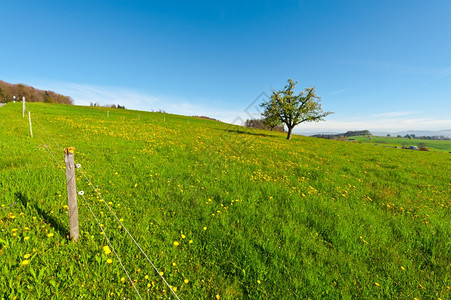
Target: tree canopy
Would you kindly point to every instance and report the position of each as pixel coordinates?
(291, 109)
(9, 91)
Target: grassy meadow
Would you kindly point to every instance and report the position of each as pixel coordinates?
(224, 212)
(433, 145)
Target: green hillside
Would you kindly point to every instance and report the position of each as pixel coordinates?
(434, 145)
(224, 212)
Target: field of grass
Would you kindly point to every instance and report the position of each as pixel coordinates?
(224, 212)
(434, 145)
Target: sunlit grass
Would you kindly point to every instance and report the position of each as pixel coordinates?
(223, 211)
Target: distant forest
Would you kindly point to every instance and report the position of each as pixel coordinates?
(8, 91)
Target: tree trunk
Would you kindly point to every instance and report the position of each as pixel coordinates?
(289, 133)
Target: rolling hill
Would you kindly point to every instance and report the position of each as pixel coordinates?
(223, 212)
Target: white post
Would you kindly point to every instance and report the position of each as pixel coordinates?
(29, 119)
(14, 99)
(23, 107)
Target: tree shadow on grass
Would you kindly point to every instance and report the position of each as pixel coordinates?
(60, 228)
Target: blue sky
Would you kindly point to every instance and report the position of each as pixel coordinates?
(379, 65)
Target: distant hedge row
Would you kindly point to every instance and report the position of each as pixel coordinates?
(8, 91)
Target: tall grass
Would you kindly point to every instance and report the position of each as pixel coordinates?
(223, 211)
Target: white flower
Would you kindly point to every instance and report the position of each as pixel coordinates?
(81, 193)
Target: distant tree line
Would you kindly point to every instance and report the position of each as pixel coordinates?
(427, 137)
(8, 91)
(261, 124)
(96, 104)
(206, 118)
(342, 136)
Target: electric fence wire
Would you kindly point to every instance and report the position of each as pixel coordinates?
(109, 243)
(39, 124)
(50, 152)
(126, 230)
(95, 218)
(114, 214)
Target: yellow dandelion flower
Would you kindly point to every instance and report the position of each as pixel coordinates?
(109, 261)
(205, 227)
(376, 284)
(186, 281)
(176, 243)
(161, 273)
(402, 268)
(26, 255)
(25, 262)
(148, 285)
(174, 264)
(183, 236)
(122, 279)
(50, 235)
(146, 277)
(218, 297)
(174, 288)
(191, 241)
(136, 184)
(26, 238)
(107, 250)
(258, 281)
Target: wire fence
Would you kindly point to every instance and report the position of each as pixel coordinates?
(103, 231)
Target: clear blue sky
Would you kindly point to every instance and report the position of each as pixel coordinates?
(379, 65)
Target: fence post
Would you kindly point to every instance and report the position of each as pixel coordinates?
(23, 107)
(71, 192)
(29, 119)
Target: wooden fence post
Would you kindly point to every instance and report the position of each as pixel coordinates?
(71, 192)
(29, 119)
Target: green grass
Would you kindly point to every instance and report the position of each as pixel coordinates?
(434, 145)
(267, 217)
